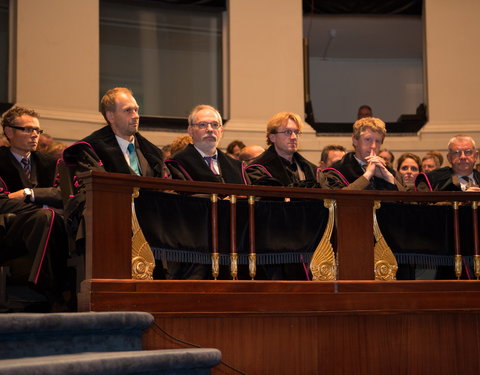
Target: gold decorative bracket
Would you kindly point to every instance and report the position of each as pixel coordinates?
(323, 264)
(143, 261)
(385, 263)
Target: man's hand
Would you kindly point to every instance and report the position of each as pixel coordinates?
(378, 165)
(20, 194)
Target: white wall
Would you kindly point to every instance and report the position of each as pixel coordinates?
(390, 86)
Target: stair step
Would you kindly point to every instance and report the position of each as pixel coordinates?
(147, 362)
(29, 335)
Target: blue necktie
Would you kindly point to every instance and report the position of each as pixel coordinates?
(132, 155)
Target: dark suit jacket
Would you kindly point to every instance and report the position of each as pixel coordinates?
(442, 179)
(106, 146)
(42, 179)
(348, 168)
(188, 164)
(271, 162)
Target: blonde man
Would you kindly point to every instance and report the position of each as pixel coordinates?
(281, 164)
(364, 168)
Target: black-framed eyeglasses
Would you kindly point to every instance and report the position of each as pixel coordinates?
(289, 132)
(204, 124)
(27, 129)
(458, 153)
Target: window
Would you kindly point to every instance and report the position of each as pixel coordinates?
(4, 51)
(170, 56)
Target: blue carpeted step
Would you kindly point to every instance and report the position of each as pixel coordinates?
(31, 335)
(147, 362)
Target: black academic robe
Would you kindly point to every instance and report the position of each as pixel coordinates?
(106, 147)
(442, 179)
(268, 169)
(188, 164)
(347, 170)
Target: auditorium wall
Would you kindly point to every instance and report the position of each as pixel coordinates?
(55, 69)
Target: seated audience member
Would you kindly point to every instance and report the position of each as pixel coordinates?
(388, 156)
(119, 145)
(249, 153)
(34, 247)
(44, 142)
(330, 154)
(363, 168)
(4, 141)
(430, 162)
(281, 164)
(203, 160)
(167, 152)
(180, 143)
(234, 148)
(56, 149)
(364, 111)
(408, 166)
(29, 175)
(461, 176)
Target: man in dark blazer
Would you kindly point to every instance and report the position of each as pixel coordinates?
(121, 148)
(281, 164)
(461, 176)
(29, 175)
(202, 160)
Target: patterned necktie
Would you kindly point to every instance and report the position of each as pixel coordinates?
(467, 182)
(26, 167)
(132, 155)
(209, 160)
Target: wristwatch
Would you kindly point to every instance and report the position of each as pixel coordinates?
(27, 194)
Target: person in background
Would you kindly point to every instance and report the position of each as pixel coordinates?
(388, 156)
(330, 154)
(44, 142)
(234, 149)
(409, 166)
(249, 153)
(180, 143)
(430, 162)
(364, 111)
(167, 152)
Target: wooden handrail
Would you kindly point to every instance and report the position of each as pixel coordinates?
(108, 218)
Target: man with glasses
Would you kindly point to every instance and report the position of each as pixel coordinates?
(281, 164)
(364, 168)
(461, 176)
(29, 175)
(202, 160)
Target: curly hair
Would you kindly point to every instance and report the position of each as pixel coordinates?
(374, 124)
(10, 116)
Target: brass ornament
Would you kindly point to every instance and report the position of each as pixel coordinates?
(252, 265)
(234, 265)
(458, 265)
(143, 261)
(323, 264)
(215, 265)
(385, 263)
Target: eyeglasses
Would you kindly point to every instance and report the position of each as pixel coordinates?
(27, 129)
(458, 153)
(289, 132)
(204, 124)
